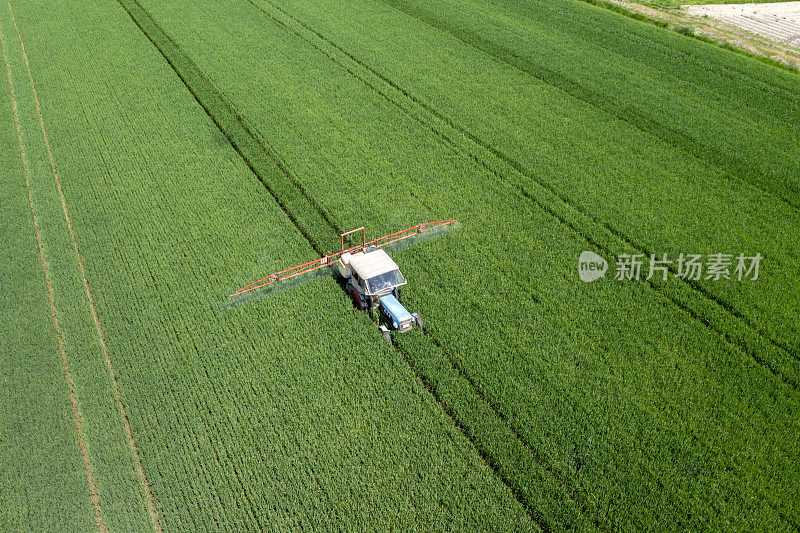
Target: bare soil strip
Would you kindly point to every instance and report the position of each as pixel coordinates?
(151, 506)
(65, 365)
(720, 31)
(777, 21)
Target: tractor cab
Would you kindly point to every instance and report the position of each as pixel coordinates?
(370, 274)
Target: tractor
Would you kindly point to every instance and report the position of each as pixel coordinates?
(374, 281)
(372, 278)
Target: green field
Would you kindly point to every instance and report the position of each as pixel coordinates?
(166, 153)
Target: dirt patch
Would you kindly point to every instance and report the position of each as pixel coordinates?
(723, 31)
(779, 22)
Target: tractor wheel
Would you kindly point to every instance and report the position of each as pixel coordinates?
(387, 336)
(419, 322)
(396, 293)
(357, 303)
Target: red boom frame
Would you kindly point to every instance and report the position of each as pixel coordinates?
(330, 259)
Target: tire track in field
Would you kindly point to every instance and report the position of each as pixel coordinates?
(150, 501)
(554, 205)
(461, 373)
(443, 138)
(76, 416)
(678, 140)
(549, 206)
(498, 413)
(303, 211)
(533, 514)
(167, 48)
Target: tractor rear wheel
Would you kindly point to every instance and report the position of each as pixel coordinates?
(357, 303)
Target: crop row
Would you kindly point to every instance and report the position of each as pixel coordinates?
(622, 44)
(294, 201)
(694, 298)
(98, 434)
(277, 411)
(553, 131)
(565, 363)
(42, 462)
